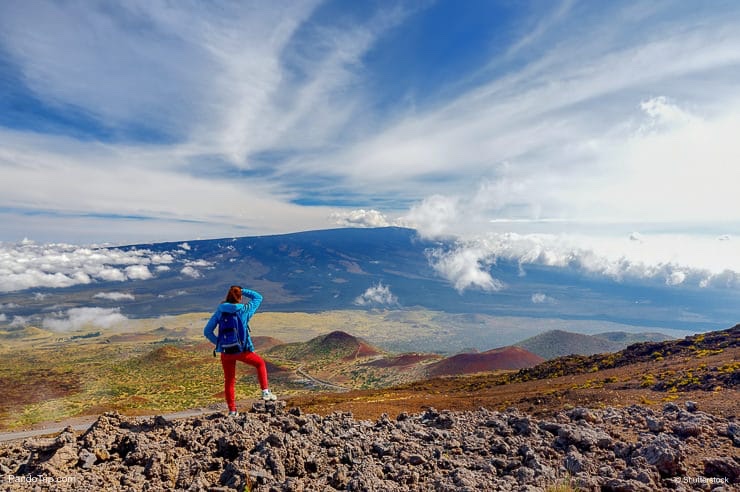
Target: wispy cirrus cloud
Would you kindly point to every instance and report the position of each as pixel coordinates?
(181, 120)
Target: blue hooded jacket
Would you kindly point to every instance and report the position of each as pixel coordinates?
(245, 312)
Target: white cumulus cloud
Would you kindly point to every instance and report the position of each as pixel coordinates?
(191, 268)
(465, 267)
(434, 216)
(360, 218)
(26, 265)
(114, 296)
(111, 274)
(675, 278)
(138, 272)
(540, 298)
(199, 263)
(191, 272)
(377, 295)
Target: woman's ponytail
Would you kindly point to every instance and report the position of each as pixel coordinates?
(235, 294)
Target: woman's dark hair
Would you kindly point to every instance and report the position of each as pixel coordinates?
(235, 294)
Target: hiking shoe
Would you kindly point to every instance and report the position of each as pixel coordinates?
(268, 396)
(233, 413)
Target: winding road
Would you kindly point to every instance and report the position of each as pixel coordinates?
(82, 424)
(320, 382)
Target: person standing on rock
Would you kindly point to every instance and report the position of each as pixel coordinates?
(233, 341)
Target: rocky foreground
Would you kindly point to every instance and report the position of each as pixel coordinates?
(270, 449)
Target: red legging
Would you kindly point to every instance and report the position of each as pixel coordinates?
(228, 361)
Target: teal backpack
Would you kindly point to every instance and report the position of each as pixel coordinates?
(230, 333)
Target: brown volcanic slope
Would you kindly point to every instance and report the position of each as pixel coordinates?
(697, 346)
(335, 345)
(505, 358)
(703, 368)
(265, 343)
(557, 343)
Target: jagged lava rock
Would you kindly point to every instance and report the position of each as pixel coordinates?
(271, 449)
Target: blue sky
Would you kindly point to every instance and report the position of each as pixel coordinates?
(561, 122)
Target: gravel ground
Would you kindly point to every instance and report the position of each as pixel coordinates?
(273, 449)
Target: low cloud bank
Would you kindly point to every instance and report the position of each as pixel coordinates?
(27, 265)
(674, 260)
(671, 260)
(78, 318)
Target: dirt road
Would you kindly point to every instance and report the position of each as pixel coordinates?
(81, 424)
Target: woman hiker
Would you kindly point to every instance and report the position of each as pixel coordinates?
(233, 340)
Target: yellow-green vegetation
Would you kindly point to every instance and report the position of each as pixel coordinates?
(565, 485)
(683, 380)
(164, 364)
(730, 368)
(367, 378)
(700, 351)
(147, 366)
(647, 380)
(591, 384)
(95, 376)
(702, 376)
(167, 378)
(608, 361)
(707, 352)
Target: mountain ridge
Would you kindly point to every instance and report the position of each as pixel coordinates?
(699, 346)
(335, 269)
(558, 343)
